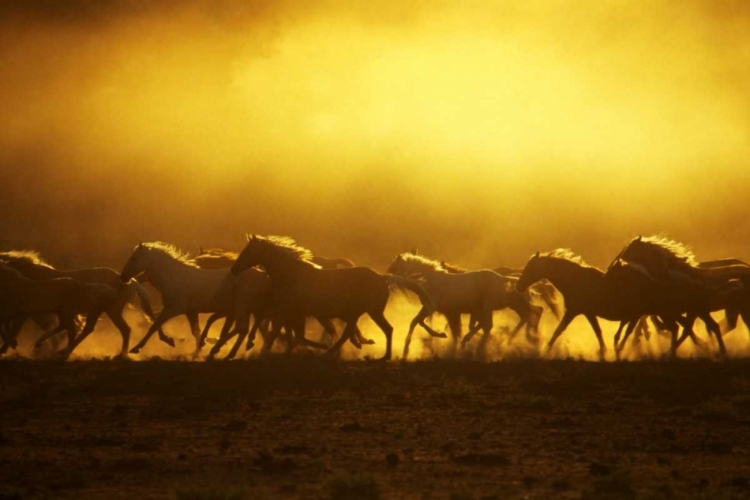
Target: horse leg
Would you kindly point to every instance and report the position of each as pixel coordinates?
(240, 339)
(59, 328)
(473, 330)
(271, 337)
(713, 327)
(454, 323)
(118, 320)
(301, 339)
(91, 320)
(348, 331)
(209, 323)
(628, 331)
(486, 324)
(474, 327)
(362, 339)
(379, 318)
(12, 330)
(166, 314)
(564, 322)
(224, 337)
(419, 319)
(423, 315)
(524, 321)
(195, 330)
(594, 322)
(407, 341)
(616, 340)
(265, 332)
(729, 322)
(687, 331)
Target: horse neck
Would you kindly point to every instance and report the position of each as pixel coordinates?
(283, 270)
(162, 268)
(566, 275)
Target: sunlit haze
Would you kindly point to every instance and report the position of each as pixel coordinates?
(478, 132)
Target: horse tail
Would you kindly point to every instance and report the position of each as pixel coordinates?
(549, 295)
(143, 297)
(413, 286)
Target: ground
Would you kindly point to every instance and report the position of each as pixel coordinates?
(312, 428)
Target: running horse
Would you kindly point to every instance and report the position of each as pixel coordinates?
(217, 258)
(21, 298)
(643, 295)
(660, 255)
(301, 289)
(31, 265)
(477, 293)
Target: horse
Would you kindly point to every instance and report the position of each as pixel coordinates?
(301, 289)
(582, 287)
(477, 293)
(21, 297)
(217, 258)
(31, 265)
(643, 295)
(543, 289)
(186, 288)
(659, 254)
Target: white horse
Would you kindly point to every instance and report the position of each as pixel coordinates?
(185, 288)
(477, 293)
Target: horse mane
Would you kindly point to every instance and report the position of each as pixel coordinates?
(435, 265)
(217, 253)
(668, 248)
(567, 254)
(452, 268)
(288, 246)
(28, 257)
(170, 250)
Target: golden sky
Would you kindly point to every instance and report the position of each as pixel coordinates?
(478, 131)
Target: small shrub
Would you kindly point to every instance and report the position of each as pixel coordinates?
(208, 494)
(354, 487)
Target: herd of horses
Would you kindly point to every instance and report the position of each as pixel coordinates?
(278, 285)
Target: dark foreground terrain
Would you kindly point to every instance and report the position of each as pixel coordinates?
(307, 428)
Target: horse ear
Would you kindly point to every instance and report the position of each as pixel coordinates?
(415, 250)
(200, 249)
(255, 236)
(247, 236)
(639, 237)
(140, 245)
(537, 254)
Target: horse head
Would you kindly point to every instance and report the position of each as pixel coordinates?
(250, 256)
(399, 266)
(136, 264)
(531, 273)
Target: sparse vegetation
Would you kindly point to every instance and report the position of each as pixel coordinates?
(431, 429)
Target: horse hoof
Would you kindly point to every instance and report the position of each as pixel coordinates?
(211, 340)
(368, 342)
(135, 350)
(442, 335)
(169, 341)
(249, 346)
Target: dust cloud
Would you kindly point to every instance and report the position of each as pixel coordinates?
(477, 132)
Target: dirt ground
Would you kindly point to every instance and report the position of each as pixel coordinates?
(311, 428)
